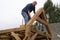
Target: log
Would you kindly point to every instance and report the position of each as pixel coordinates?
(13, 30)
(28, 25)
(34, 17)
(46, 25)
(15, 36)
(34, 36)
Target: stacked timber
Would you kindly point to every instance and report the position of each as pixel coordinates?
(19, 34)
(29, 31)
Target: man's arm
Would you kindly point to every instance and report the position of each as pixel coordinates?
(29, 13)
(34, 10)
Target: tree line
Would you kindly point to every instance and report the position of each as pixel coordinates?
(53, 11)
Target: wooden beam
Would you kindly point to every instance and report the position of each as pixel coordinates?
(40, 10)
(46, 25)
(15, 36)
(42, 33)
(13, 30)
(4, 36)
(34, 36)
(44, 16)
(41, 21)
(28, 25)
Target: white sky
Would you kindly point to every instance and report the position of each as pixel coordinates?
(10, 12)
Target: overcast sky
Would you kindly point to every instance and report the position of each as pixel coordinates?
(10, 12)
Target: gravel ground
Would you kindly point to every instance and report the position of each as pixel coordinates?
(55, 28)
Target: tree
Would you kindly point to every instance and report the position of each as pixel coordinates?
(54, 12)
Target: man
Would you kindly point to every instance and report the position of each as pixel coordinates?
(27, 10)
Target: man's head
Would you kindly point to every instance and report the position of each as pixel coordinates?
(34, 3)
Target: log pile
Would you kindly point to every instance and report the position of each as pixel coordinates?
(28, 31)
